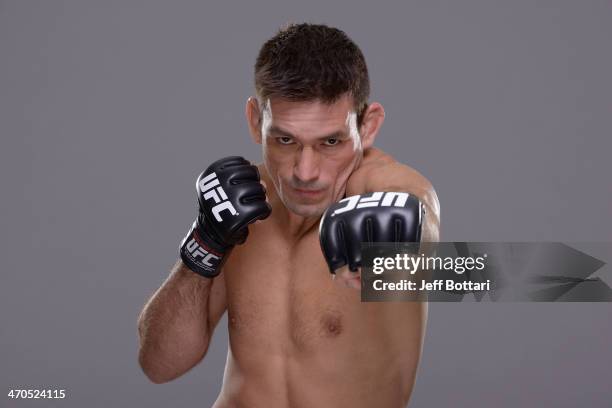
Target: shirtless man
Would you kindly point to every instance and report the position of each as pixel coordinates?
(298, 335)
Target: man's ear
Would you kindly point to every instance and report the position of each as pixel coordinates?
(253, 116)
(373, 118)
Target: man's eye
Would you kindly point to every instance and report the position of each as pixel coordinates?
(284, 140)
(332, 142)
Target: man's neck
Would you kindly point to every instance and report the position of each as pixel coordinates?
(294, 226)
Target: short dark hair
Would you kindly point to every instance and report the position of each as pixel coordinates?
(305, 62)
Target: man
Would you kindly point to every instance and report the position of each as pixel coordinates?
(299, 337)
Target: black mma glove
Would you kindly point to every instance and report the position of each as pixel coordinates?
(374, 217)
(230, 197)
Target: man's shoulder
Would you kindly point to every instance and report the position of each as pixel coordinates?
(379, 171)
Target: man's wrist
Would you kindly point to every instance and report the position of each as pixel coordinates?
(201, 254)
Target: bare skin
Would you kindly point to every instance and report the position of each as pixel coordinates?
(298, 337)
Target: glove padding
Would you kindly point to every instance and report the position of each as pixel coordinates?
(230, 197)
(375, 217)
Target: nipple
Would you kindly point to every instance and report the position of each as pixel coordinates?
(331, 324)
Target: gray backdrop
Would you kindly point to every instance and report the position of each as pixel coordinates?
(109, 110)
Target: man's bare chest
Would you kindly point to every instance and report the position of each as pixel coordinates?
(282, 295)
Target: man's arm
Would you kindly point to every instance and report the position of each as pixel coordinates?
(380, 172)
(399, 177)
(390, 175)
(177, 323)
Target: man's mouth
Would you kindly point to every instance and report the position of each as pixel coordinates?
(308, 192)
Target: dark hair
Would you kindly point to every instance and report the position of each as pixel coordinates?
(308, 61)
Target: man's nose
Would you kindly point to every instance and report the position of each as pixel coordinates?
(307, 165)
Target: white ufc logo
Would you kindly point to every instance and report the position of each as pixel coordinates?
(207, 186)
(378, 199)
(197, 251)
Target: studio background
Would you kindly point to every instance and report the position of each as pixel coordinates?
(110, 110)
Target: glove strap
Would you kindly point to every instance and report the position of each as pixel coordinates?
(203, 256)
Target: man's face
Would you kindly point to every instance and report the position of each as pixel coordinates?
(310, 149)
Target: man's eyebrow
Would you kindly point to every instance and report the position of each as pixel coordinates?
(339, 134)
(279, 131)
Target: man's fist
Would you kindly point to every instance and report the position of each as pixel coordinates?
(375, 217)
(230, 197)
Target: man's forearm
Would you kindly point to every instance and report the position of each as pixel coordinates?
(173, 326)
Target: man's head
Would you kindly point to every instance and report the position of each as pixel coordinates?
(311, 114)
